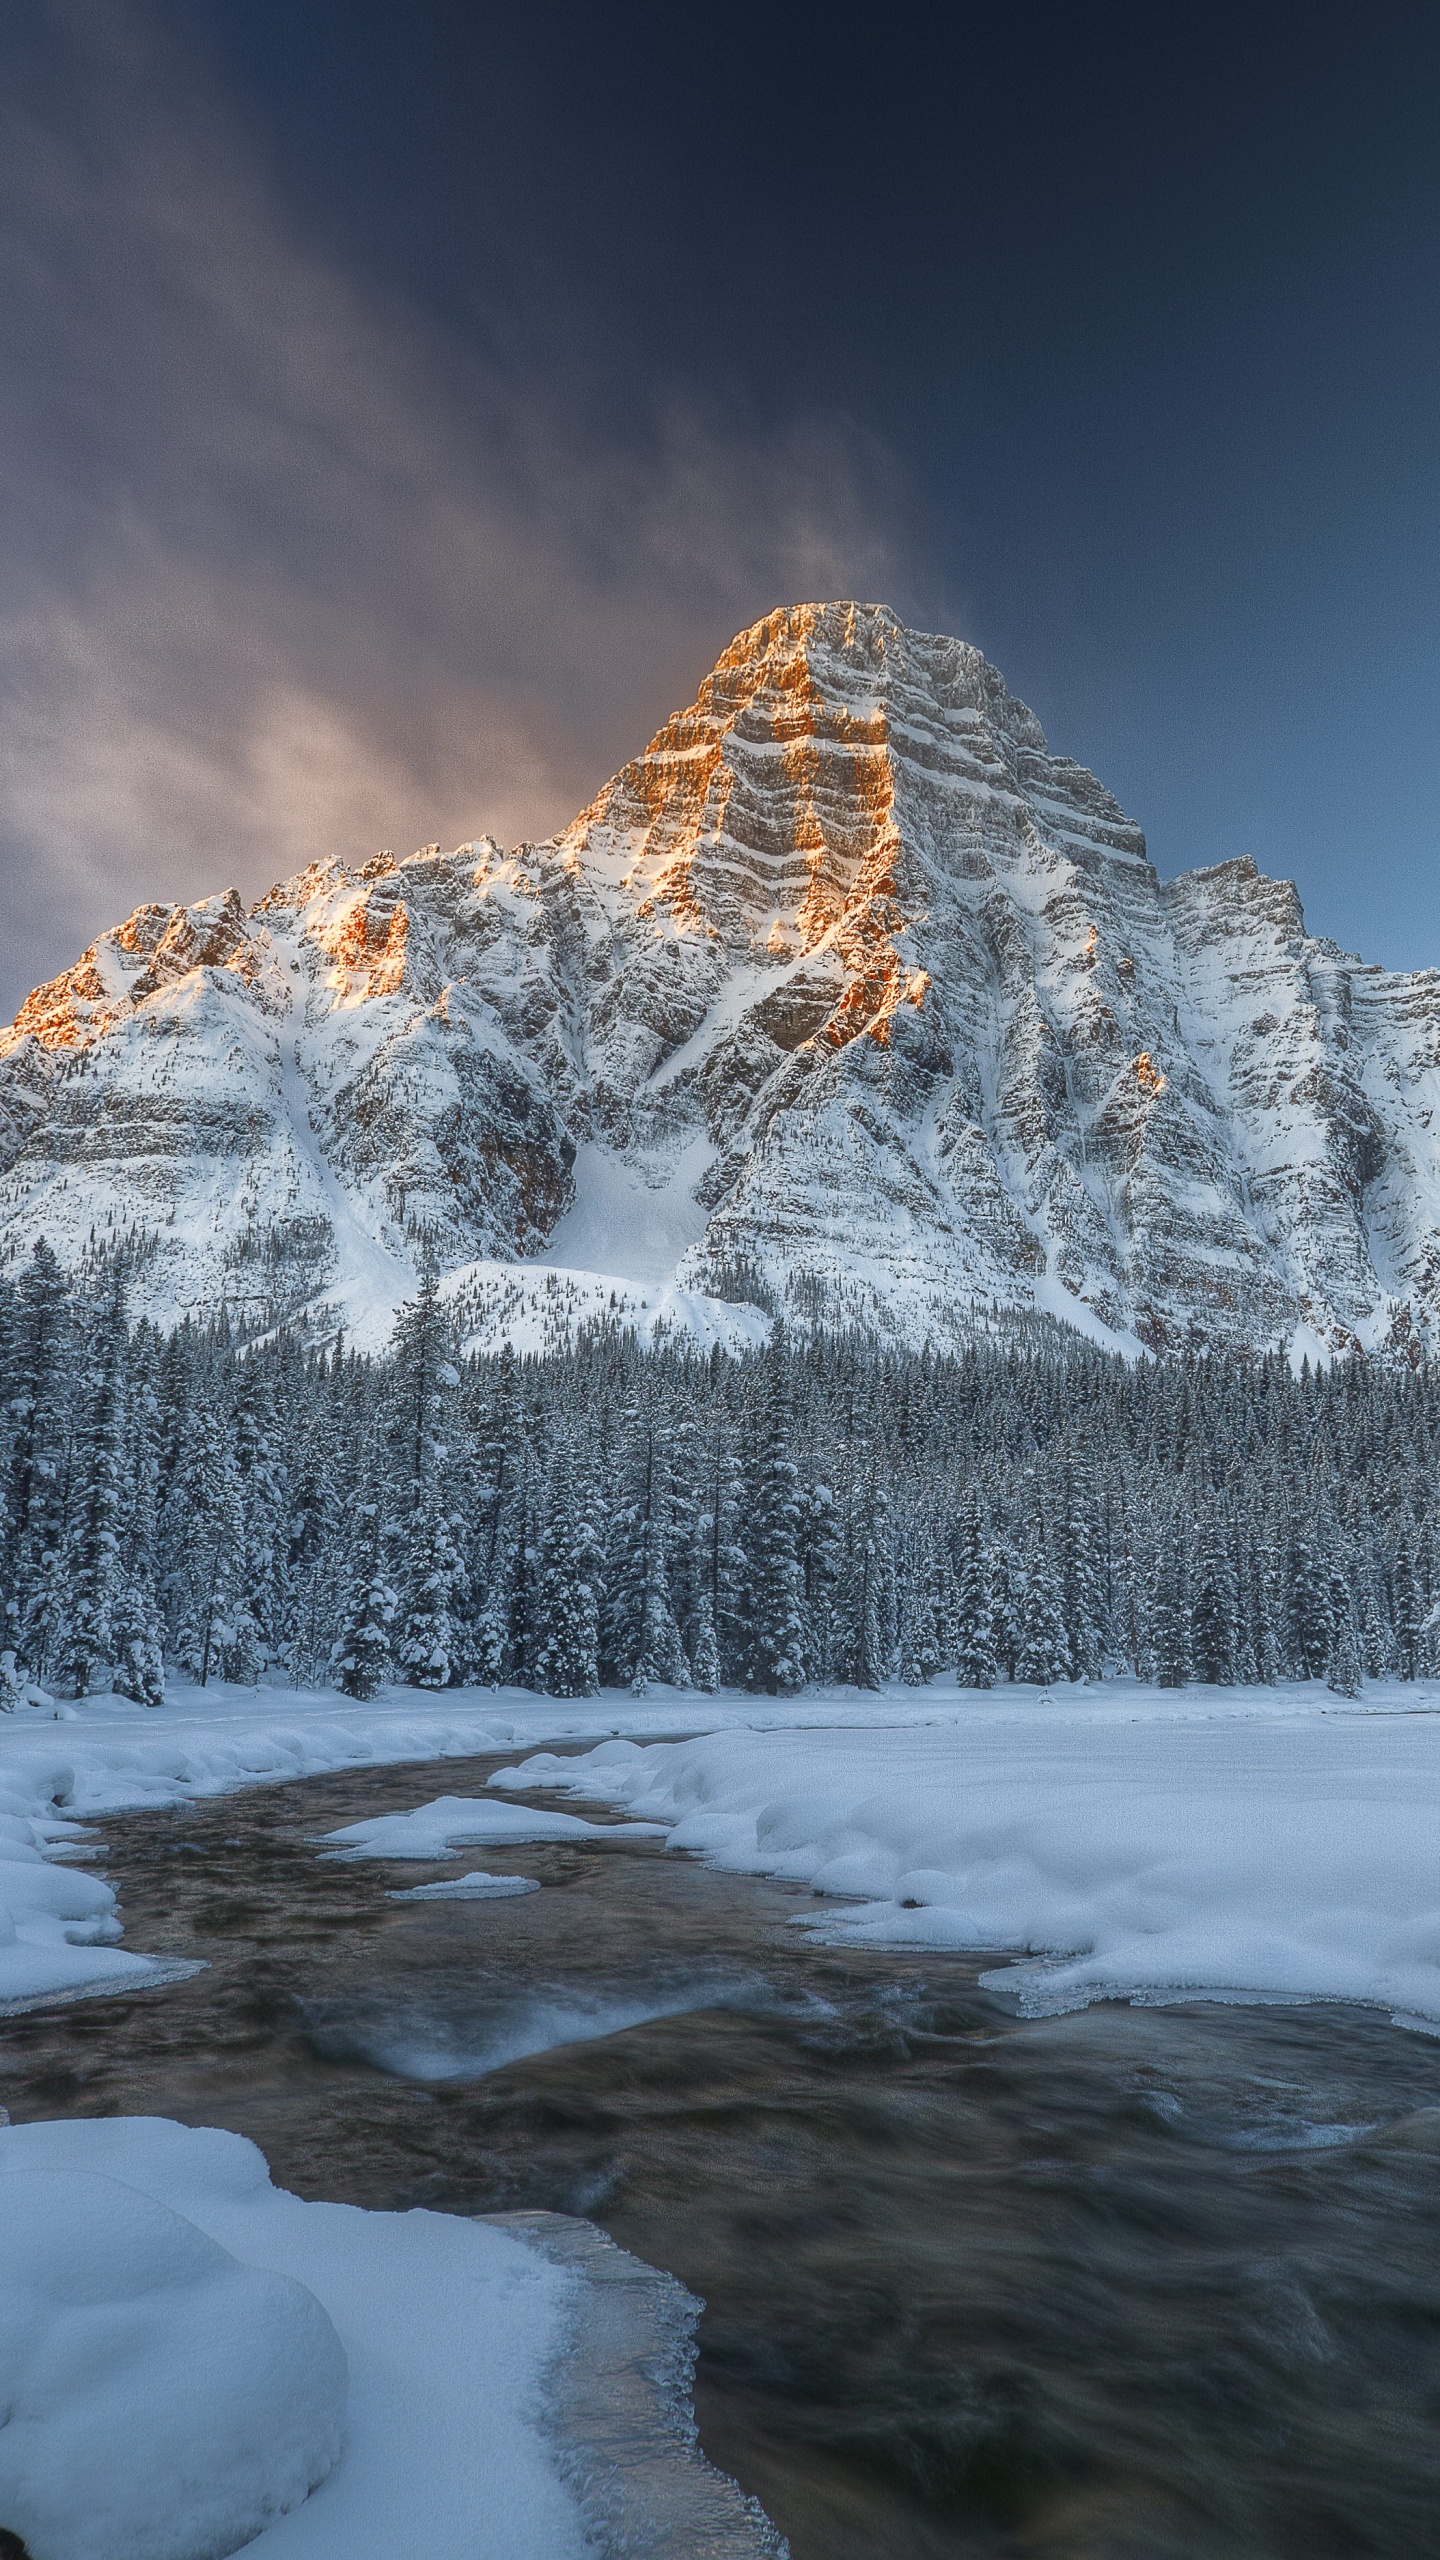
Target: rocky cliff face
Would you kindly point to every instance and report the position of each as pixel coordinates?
(847, 998)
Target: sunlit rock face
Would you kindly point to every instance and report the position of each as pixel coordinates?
(846, 996)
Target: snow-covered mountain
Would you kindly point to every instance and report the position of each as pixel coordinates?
(847, 999)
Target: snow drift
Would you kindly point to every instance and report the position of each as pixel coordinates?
(161, 2401)
(1145, 1855)
(174, 2333)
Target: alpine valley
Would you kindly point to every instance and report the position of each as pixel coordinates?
(846, 1001)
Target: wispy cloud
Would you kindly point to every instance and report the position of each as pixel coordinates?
(290, 571)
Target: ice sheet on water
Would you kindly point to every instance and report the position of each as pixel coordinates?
(476, 1887)
(451, 1823)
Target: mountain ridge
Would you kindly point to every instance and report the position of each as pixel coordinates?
(846, 999)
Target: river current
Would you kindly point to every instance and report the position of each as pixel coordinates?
(1137, 2284)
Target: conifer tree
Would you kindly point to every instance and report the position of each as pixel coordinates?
(1082, 1577)
(360, 1660)
(871, 1651)
(977, 1663)
(1310, 1609)
(1376, 1642)
(138, 1635)
(425, 1564)
(203, 1537)
(775, 1600)
(919, 1646)
(92, 1573)
(1170, 1608)
(717, 1574)
(569, 1562)
(429, 1641)
(1007, 1589)
(642, 1638)
(820, 1553)
(1344, 1671)
(1215, 1605)
(35, 1488)
(1043, 1651)
(1409, 1612)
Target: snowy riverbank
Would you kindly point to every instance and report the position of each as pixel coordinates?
(448, 2328)
(1280, 1842)
(1244, 1843)
(1146, 1848)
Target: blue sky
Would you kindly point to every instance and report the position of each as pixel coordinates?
(401, 408)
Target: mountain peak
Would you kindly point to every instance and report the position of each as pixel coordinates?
(794, 804)
(845, 998)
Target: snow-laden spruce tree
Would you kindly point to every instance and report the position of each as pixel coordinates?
(870, 1654)
(92, 1572)
(1309, 1606)
(716, 1578)
(430, 1637)
(137, 1629)
(37, 1461)
(774, 1600)
(425, 1469)
(918, 1650)
(210, 1625)
(1408, 1610)
(977, 1663)
(1377, 1643)
(1082, 1571)
(1007, 1596)
(1170, 1604)
(261, 1459)
(360, 1659)
(1215, 1604)
(569, 1559)
(647, 1528)
(1344, 1672)
(820, 1552)
(1043, 1651)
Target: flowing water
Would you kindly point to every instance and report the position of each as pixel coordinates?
(1140, 2284)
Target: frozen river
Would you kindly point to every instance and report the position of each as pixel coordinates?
(1127, 2284)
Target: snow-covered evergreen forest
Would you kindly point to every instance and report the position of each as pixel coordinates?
(818, 1511)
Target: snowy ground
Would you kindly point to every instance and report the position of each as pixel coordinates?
(114, 2444)
(1277, 1843)
(1141, 1847)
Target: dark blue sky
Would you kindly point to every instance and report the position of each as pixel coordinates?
(403, 406)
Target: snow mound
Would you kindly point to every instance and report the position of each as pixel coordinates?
(161, 2401)
(448, 2329)
(56, 1925)
(451, 1823)
(1275, 1857)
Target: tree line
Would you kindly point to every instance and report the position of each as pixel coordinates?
(821, 1510)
